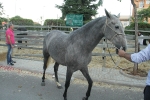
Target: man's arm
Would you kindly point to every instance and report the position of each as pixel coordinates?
(127, 56)
(142, 56)
(122, 53)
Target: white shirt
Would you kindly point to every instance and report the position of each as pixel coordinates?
(142, 56)
(140, 40)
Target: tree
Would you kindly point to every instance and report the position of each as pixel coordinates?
(54, 22)
(17, 17)
(142, 17)
(85, 7)
(17, 20)
(2, 19)
(136, 35)
(139, 19)
(144, 14)
(1, 9)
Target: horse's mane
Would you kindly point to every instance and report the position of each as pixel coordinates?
(88, 25)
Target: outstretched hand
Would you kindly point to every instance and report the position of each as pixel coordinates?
(121, 53)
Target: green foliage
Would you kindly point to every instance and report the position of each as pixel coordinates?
(17, 20)
(139, 19)
(2, 19)
(54, 22)
(1, 9)
(144, 14)
(85, 7)
(86, 21)
(17, 17)
(100, 2)
(141, 26)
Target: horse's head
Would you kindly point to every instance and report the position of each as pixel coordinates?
(114, 32)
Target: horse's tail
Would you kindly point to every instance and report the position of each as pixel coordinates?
(50, 60)
(45, 52)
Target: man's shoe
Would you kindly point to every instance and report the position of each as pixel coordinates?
(13, 61)
(11, 64)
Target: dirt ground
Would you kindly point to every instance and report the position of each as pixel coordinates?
(97, 61)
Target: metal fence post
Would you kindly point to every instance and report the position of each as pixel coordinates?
(48, 28)
(104, 54)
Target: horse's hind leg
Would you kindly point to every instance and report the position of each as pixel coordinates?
(56, 75)
(90, 82)
(46, 56)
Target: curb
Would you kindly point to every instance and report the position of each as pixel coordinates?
(131, 76)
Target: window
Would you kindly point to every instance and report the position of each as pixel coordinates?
(141, 4)
(147, 1)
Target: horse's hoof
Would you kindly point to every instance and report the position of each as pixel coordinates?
(84, 98)
(43, 84)
(59, 87)
(65, 98)
(53, 76)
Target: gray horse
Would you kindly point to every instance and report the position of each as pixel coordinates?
(74, 50)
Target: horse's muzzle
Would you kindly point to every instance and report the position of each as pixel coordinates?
(124, 48)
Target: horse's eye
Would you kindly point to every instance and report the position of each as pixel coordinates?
(117, 27)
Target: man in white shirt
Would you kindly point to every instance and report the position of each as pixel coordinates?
(140, 41)
(142, 56)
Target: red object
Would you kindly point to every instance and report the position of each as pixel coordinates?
(10, 32)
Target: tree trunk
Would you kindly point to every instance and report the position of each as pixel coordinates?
(136, 35)
(147, 19)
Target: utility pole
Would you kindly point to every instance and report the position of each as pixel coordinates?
(130, 15)
(15, 7)
(41, 23)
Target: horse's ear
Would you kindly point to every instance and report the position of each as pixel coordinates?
(107, 14)
(119, 15)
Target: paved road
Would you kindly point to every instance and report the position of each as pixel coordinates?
(23, 85)
(98, 74)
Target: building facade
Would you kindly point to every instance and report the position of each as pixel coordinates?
(125, 20)
(142, 4)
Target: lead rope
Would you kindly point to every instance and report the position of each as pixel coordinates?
(118, 61)
(104, 58)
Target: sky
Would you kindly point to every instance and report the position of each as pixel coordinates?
(35, 9)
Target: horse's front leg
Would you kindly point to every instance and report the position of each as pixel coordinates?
(67, 83)
(90, 82)
(56, 75)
